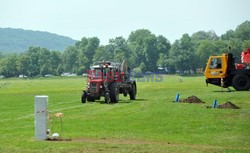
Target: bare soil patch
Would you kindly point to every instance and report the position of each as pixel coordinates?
(192, 99)
(228, 105)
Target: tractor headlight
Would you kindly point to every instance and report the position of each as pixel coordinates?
(100, 86)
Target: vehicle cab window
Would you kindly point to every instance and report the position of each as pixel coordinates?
(105, 72)
(97, 73)
(215, 63)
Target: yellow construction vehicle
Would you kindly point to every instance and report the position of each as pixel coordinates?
(222, 71)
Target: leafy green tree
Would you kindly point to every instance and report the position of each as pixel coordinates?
(204, 50)
(23, 63)
(8, 66)
(163, 45)
(202, 35)
(44, 61)
(212, 35)
(82, 65)
(210, 48)
(120, 49)
(88, 47)
(143, 45)
(33, 54)
(55, 60)
(142, 67)
(138, 35)
(103, 53)
(163, 60)
(236, 45)
(2, 66)
(221, 47)
(150, 53)
(93, 44)
(59, 69)
(242, 32)
(137, 43)
(230, 34)
(245, 45)
(70, 58)
(182, 54)
(199, 36)
(117, 50)
(46, 69)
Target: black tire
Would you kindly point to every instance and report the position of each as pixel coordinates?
(114, 93)
(106, 97)
(241, 82)
(132, 92)
(84, 97)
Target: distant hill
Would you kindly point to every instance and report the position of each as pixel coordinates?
(18, 40)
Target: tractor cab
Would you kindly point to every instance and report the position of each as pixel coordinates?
(103, 72)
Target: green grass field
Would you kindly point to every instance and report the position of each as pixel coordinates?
(152, 123)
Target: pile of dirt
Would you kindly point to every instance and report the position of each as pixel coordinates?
(229, 105)
(192, 99)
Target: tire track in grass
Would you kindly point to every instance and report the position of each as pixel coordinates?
(120, 141)
(101, 109)
(32, 115)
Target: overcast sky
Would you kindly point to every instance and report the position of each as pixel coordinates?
(111, 18)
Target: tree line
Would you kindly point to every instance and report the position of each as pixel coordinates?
(144, 50)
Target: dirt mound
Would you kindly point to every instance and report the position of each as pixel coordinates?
(229, 105)
(192, 99)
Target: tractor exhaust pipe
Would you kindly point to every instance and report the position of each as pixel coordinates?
(230, 50)
(230, 60)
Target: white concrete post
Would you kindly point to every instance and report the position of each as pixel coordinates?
(41, 113)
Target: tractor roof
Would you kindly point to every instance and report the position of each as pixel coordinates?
(110, 64)
(99, 66)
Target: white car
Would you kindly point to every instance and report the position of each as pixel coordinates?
(49, 75)
(65, 74)
(22, 76)
(73, 74)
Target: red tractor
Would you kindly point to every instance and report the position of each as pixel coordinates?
(109, 79)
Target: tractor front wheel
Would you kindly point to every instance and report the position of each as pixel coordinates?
(241, 82)
(114, 93)
(84, 97)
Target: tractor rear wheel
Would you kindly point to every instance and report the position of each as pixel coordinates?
(84, 97)
(132, 92)
(114, 93)
(241, 82)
